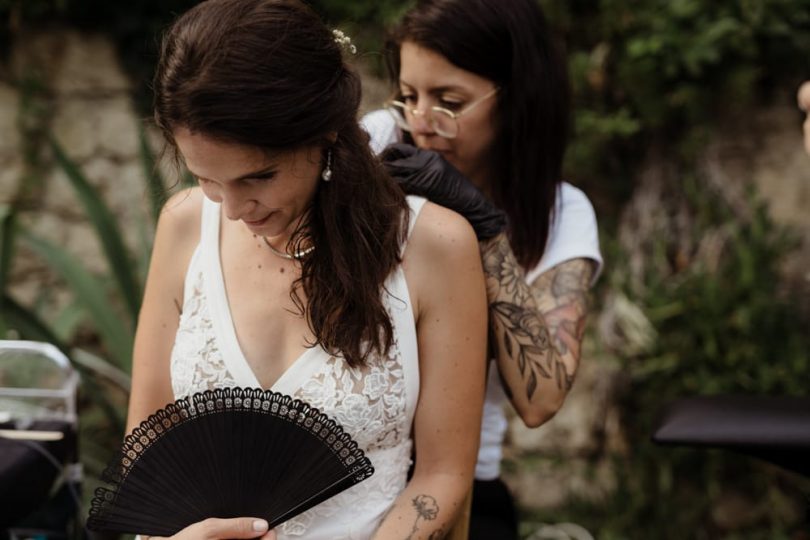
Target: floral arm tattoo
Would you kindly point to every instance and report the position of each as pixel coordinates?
(536, 331)
(427, 509)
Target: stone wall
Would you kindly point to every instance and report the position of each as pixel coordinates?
(69, 86)
(768, 151)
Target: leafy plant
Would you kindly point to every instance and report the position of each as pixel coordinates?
(113, 312)
(659, 76)
(650, 70)
(107, 304)
(108, 233)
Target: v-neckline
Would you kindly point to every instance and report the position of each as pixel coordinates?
(225, 330)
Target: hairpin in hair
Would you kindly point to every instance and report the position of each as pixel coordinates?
(344, 41)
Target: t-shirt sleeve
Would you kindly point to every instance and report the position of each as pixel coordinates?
(382, 128)
(573, 235)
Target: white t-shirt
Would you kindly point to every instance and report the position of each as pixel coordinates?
(573, 235)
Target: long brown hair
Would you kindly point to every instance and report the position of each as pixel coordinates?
(269, 74)
(509, 43)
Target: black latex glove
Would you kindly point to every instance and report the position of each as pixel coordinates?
(426, 173)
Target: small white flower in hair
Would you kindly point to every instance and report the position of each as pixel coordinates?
(344, 41)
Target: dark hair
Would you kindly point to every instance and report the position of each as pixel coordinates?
(509, 43)
(269, 74)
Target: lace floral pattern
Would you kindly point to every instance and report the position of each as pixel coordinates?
(369, 402)
(196, 362)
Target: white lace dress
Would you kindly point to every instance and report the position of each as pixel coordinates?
(374, 404)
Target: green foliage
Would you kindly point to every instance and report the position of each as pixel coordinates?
(670, 68)
(99, 304)
(6, 252)
(111, 301)
(156, 184)
(649, 73)
(723, 326)
(116, 335)
(136, 26)
(365, 21)
(726, 328)
(108, 232)
(360, 12)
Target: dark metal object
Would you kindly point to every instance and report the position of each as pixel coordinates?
(775, 429)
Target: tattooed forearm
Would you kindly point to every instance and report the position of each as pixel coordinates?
(524, 338)
(504, 276)
(520, 333)
(427, 509)
(538, 329)
(562, 297)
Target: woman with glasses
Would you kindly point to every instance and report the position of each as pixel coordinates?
(481, 83)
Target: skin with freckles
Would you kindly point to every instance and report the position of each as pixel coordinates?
(268, 193)
(262, 195)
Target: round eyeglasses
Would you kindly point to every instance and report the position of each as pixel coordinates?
(441, 120)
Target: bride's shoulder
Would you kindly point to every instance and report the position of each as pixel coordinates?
(442, 243)
(178, 227)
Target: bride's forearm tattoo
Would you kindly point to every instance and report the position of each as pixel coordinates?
(538, 327)
(427, 509)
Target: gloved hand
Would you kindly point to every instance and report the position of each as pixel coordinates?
(426, 173)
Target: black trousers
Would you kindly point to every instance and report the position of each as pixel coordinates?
(493, 515)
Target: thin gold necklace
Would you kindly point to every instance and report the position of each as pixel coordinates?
(297, 255)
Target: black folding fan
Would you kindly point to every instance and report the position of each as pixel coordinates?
(226, 453)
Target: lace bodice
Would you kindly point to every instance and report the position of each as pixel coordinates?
(375, 403)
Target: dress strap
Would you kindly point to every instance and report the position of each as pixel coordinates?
(209, 238)
(415, 204)
(398, 300)
(209, 225)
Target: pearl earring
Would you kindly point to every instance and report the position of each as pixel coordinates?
(326, 174)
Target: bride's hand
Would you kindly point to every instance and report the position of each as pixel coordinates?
(223, 529)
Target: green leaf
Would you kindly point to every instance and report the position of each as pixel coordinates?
(110, 408)
(99, 366)
(6, 254)
(108, 233)
(27, 323)
(6, 242)
(116, 335)
(155, 184)
(143, 254)
(68, 320)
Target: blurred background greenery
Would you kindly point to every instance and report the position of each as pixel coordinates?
(698, 296)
